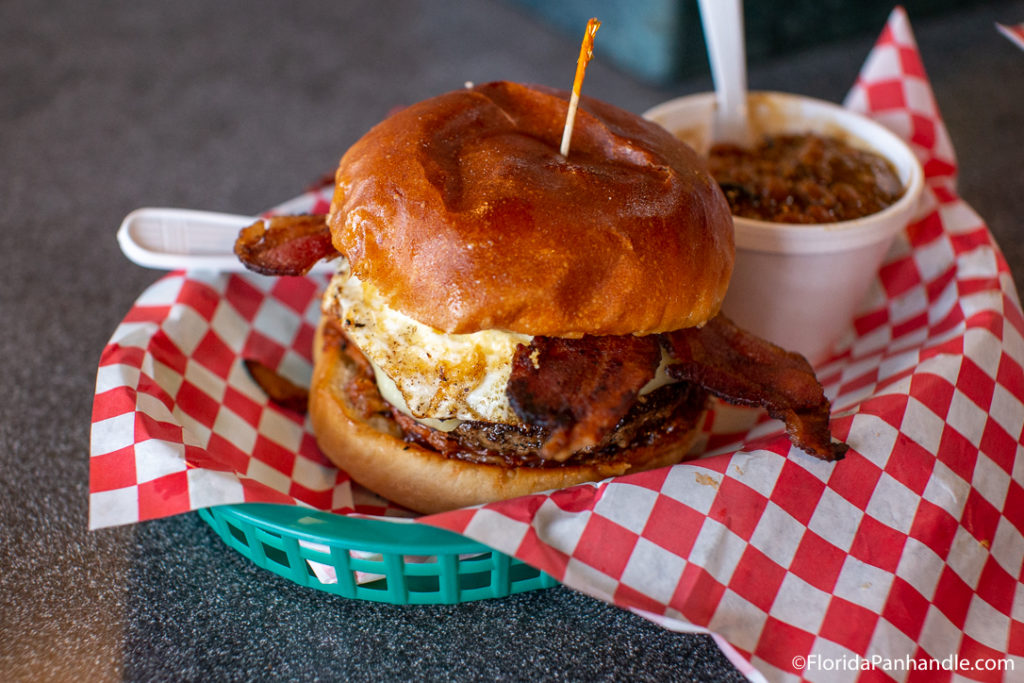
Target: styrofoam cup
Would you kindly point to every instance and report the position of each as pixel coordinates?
(799, 286)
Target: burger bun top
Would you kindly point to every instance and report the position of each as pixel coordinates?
(462, 212)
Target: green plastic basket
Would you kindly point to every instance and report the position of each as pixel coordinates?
(368, 559)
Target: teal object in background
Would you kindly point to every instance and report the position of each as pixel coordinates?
(368, 559)
(660, 41)
(642, 36)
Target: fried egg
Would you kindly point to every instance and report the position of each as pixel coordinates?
(437, 378)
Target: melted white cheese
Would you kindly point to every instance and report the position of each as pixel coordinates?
(435, 377)
(661, 376)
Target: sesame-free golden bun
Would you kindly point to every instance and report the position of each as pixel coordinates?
(462, 212)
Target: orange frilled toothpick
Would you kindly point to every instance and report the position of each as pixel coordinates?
(586, 53)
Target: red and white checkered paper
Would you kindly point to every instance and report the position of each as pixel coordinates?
(910, 548)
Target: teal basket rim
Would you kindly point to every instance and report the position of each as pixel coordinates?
(399, 562)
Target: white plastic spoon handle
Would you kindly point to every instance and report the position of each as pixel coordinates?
(723, 32)
(173, 239)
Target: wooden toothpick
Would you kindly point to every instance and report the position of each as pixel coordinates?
(586, 53)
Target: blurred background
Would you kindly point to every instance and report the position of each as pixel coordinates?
(660, 41)
(265, 98)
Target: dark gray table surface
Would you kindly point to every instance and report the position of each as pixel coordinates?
(235, 106)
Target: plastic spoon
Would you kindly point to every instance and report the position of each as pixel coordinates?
(723, 32)
(173, 239)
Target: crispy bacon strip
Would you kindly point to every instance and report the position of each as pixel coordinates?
(579, 388)
(280, 390)
(747, 370)
(285, 245)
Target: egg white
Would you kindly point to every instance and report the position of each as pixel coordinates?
(437, 378)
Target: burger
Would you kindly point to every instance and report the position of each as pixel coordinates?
(506, 320)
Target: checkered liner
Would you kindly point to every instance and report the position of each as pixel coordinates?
(178, 423)
(910, 547)
(1014, 32)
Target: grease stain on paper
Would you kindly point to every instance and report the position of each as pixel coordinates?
(705, 480)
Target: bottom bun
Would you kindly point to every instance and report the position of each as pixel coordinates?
(373, 452)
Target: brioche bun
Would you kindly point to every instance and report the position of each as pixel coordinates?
(462, 212)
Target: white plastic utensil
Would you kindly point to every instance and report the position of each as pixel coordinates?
(173, 239)
(723, 32)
